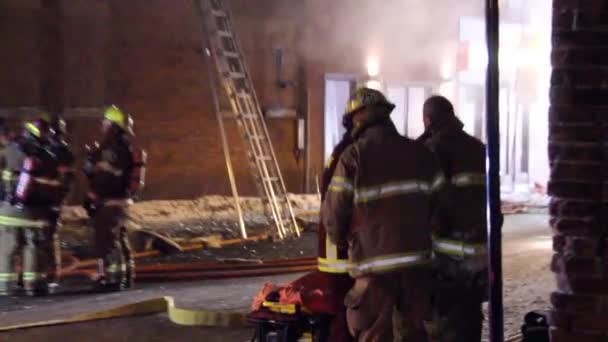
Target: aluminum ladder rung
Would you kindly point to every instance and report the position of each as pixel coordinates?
(218, 13)
(222, 33)
(230, 54)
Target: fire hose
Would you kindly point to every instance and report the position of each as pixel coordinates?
(175, 272)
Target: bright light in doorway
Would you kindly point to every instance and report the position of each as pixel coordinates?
(374, 84)
(373, 66)
(447, 69)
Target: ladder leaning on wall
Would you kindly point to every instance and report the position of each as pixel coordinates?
(221, 49)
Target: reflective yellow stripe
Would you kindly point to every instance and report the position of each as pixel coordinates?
(469, 179)
(5, 277)
(30, 276)
(280, 308)
(391, 189)
(459, 248)
(8, 175)
(24, 223)
(333, 265)
(388, 263)
(339, 184)
(115, 268)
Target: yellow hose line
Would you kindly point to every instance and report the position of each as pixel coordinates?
(177, 315)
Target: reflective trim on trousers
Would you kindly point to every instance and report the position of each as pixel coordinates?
(118, 202)
(469, 179)
(116, 268)
(33, 276)
(8, 175)
(459, 248)
(22, 223)
(389, 263)
(9, 277)
(333, 265)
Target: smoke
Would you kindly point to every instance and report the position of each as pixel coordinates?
(405, 36)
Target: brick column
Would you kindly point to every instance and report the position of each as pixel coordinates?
(578, 152)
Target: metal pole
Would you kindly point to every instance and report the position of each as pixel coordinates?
(492, 168)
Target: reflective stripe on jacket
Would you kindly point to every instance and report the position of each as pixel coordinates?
(458, 248)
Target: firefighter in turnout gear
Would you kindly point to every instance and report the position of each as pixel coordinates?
(459, 226)
(380, 201)
(109, 167)
(333, 258)
(5, 139)
(25, 216)
(66, 173)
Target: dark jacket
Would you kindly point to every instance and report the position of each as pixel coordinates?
(333, 258)
(460, 222)
(380, 200)
(109, 170)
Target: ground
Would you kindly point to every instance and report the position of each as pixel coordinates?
(527, 284)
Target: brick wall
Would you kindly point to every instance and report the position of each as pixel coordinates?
(143, 55)
(578, 151)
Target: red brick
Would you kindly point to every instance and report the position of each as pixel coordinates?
(578, 171)
(574, 266)
(561, 207)
(572, 304)
(574, 190)
(569, 96)
(579, 323)
(587, 38)
(579, 113)
(581, 20)
(560, 335)
(585, 152)
(564, 5)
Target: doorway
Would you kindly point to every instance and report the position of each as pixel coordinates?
(338, 89)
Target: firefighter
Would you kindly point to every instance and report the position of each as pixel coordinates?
(380, 201)
(5, 139)
(25, 215)
(333, 258)
(459, 225)
(66, 173)
(109, 168)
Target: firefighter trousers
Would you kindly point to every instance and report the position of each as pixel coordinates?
(389, 307)
(112, 245)
(53, 246)
(457, 312)
(27, 247)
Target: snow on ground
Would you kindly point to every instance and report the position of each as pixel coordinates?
(527, 279)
